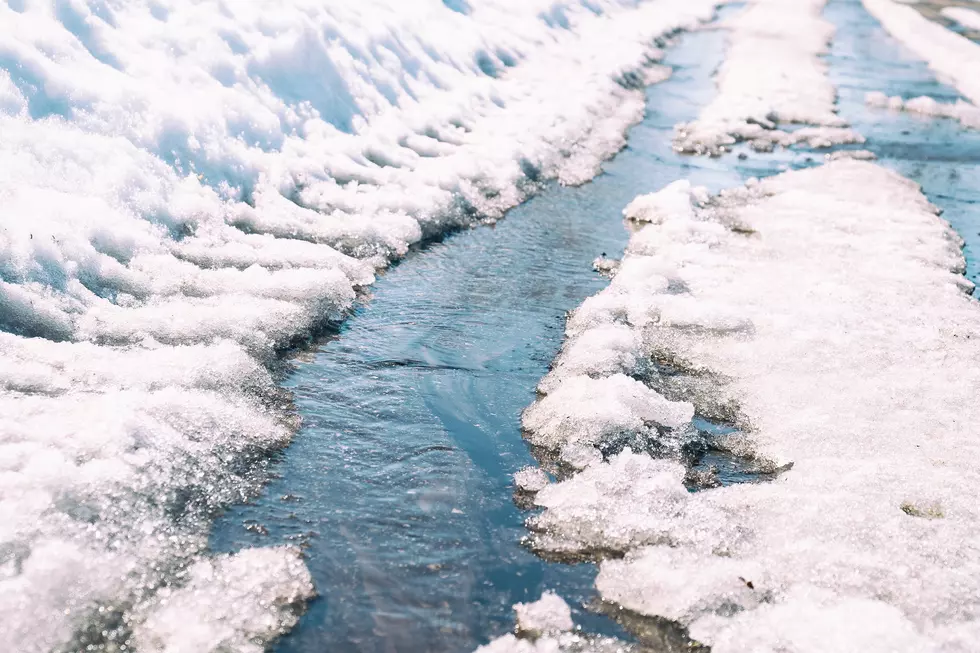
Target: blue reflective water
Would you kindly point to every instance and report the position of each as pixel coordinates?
(399, 485)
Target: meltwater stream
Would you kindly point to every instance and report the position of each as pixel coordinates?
(399, 484)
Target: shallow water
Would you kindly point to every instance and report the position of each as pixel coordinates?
(399, 485)
(399, 482)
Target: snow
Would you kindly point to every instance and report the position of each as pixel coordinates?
(548, 614)
(544, 626)
(189, 188)
(583, 410)
(825, 311)
(772, 76)
(967, 114)
(234, 602)
(966, 17)
(561, 643)
(530, 479)
(955, 58)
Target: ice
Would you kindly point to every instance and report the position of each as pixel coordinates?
(826, 309)
(967, 114)
(190, 188)
(548, 614)
(954, 57)
(772, 76)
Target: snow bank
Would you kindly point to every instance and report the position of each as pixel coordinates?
(825, 311)
(955, 58)
(772, 75)
(188, 188)
(967, 114)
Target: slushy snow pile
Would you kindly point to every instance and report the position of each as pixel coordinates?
(187, 189)
(824, 313)
(772, 76)
(955, 58)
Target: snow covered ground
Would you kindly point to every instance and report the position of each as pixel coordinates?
(823, 313)
(772, 76)
(188, 188)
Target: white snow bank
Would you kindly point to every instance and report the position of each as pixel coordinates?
(967, 114)
(857, 360)
(955, 58)
(966, 17)
(772, 75)
(186, 188)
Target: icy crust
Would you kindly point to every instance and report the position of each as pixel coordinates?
(772, 76)
(828, 305)
(954, 57)
(964, 112)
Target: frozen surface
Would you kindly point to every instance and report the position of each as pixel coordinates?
(826, 310)
(189, 188)
(772, 76)
(955, 58)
